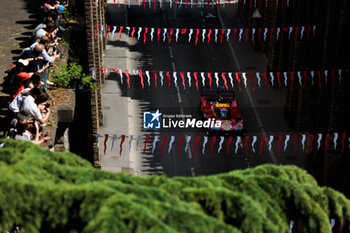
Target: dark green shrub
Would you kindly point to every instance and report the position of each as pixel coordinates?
(44, 191)
(71, 76)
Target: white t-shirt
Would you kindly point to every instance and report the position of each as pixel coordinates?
(40, 33)
(16, 103)
(29, 109)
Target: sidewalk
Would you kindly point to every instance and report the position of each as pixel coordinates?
(17, 19)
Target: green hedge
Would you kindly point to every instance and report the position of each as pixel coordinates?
(45, 191)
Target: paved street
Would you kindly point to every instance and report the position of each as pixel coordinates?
(262, 107)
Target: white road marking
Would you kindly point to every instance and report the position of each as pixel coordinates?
(177, 88)
(235, 59)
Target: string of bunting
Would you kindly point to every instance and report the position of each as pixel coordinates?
(316, 142)
(267, 3)
(177, 3)
(230, 79)
(205, 35)
(186, 3)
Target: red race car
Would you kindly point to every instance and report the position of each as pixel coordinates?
(222, 106)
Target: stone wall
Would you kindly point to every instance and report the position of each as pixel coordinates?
(313, 109)
(95, 18)
(308, 108)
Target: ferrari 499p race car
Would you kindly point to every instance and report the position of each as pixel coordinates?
(221, 105)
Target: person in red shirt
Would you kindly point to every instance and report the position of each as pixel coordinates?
(22, 79)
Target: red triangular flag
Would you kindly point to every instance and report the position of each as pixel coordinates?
(229, 141)
(141, 78)
(261, 144)
(181, 138)
(210, 79)
(120, 32)
(212, 145)
(146, 140)
(121, 144)
(105, 143)
(183, 79)
(163, 143)
(195, 145)
(127, 77)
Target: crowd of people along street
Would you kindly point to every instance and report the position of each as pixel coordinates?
(26, 80)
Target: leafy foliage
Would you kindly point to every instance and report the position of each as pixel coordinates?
(70, 75)
(47, 191)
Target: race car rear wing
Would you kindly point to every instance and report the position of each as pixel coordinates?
(219, 92)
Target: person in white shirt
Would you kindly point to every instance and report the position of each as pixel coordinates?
(34, 106)
(33, 82)
(29, 131)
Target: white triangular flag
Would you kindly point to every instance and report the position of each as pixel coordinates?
(319, 141)
(300, 78)
(172, 139)
(190, 35)
(113, 140)
(237, 143)
(255, 138)
(231, 79)
(339, 74)
(130, 141)
(152, 32)
(148, 77)
(222, 138)
(121, 75)
(278, 33)
(189, 78)
(335, 140)
(175, 78)
(290, 32)
(302, 32)
(161, 78)
(228, 34)
(272, 79)
(270, 142)
(258, 77)
(154, 143)
(217, 78)
(203, 35)
(303, 138)
(285, 78)
(203, 78)
(113, 31)
(286, 142)
(177, 34)
(164, 34)
(204, 143)
(188, 139)
(139, 33)
(312, 77)
(244, 79)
